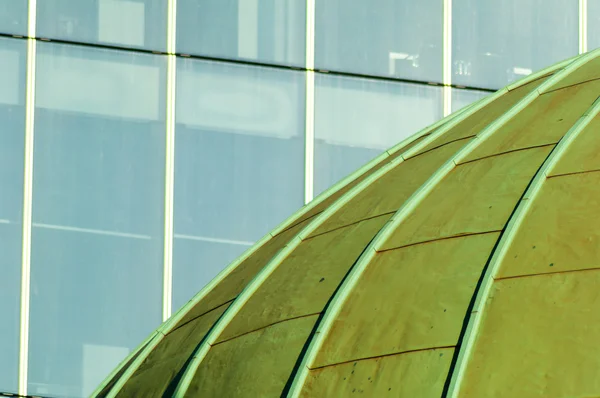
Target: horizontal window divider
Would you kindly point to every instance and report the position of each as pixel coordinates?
(246, 62)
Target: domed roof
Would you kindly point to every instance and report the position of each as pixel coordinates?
(463, 262)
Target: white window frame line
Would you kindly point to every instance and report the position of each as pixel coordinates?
(447, 58)
(27, 201)
(309, 119)
(167, 294)
(583, 23)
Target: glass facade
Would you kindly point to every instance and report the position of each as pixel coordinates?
(13, 17)
(270, 31)
(128, 23)
(357, 119)
(495, 43)
(98, 206)
(593, 24)
(239, 164)
(105, 106)
(396, 38)
(12, 119)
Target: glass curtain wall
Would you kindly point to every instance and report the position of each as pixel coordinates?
(128, 23)
(98, 213)
(12, 119)
(100, 128)
(497, 42)
(593, 24)
(395, 38)
(267, 31)
(239, 163)
(13, 17)
(357, 119)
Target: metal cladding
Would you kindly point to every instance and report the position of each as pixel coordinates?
(464, 262)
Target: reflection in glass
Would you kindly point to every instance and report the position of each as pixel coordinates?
(128, 23)
(96, 261)
(12, 133)
(271, 31)
(357, 119)
(462, 98)
(386, 38)
(593, 25)
(239, 164)
(496, 43)
(13, 17)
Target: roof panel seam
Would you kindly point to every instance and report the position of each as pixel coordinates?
(265, 327)
(573, 173)
(391, 354)
(457, 236)
(387, 213)
(506, 153)
(239, 302)
(571, 85)
(474, 317)
(441, 146)
(568, 271)
(406, 209)
(204, 347)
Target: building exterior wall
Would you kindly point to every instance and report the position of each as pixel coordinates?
(145, 144)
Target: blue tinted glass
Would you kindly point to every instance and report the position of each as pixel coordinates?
(397, 38)
(12, 133)
(357, 119)
(98, 205)
(239, 165)
(271, 31)
(128, 23)
(497, 42)
(593, 24)
(13, 17)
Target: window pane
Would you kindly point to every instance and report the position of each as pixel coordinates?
(12, 133)
(13, 17)
(357, 119)
(593, 24)
(462, 98)
(498, 42)
(239, 168)
(129, 23)
(271, 31)
(385, 38)
(98, 205)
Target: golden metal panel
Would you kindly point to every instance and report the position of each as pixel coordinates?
(583, 154)
(588, 71)
(257, 364)
(103, 392)
(390, 191)
(408, 299)
(561, 231)
(336, 195)
(474, 320)
(235, 282)
(159, 369)
(415, 374)
(480, 119)
(305, 281)
(475, 197)
(539, 338)
(543, 122)
(402, 304)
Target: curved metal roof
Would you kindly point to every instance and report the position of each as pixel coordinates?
(462, 262)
